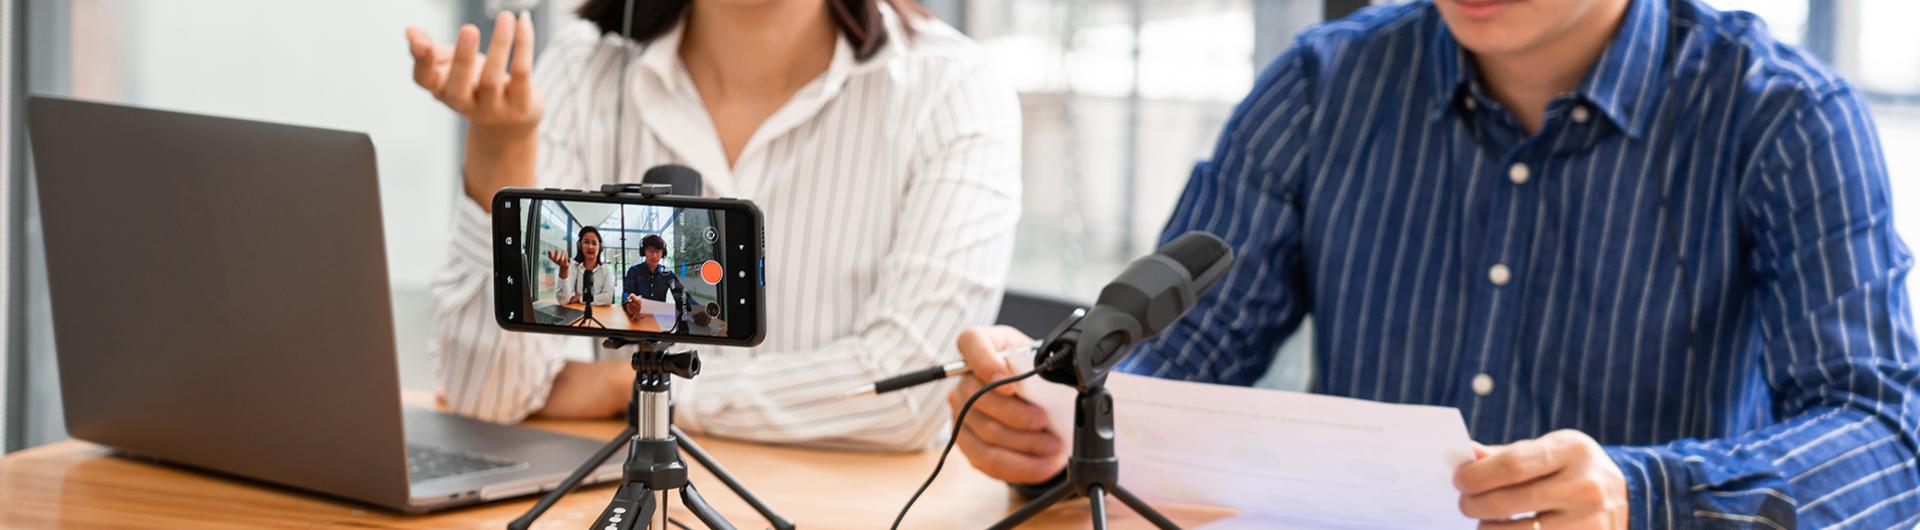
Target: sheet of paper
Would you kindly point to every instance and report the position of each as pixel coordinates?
(663, 311)
(1284, 459)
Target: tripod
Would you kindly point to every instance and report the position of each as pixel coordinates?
(653, 454)
(1093, 469)
(586, 319)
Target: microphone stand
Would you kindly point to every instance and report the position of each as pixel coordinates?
(1093, 469)
(586, 319)
(653, 453)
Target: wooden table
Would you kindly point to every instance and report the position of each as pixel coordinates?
(75, 484)
(616, 318)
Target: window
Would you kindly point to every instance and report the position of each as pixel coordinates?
(1120, 98)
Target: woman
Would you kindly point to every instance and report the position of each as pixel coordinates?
(588, 258)
(884, 155)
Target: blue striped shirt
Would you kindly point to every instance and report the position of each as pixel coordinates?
(1693, 261)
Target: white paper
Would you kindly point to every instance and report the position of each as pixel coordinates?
(663, 311)
(1284, 459)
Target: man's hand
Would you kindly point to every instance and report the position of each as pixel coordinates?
(1005, 436)
(1564, 478)
(632, 307)
(558, 258)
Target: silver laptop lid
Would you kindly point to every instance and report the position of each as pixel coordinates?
(220, 294)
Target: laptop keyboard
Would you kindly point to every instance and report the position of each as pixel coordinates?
(426, 463)
(555, 314)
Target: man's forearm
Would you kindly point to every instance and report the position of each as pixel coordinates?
(1816, 470)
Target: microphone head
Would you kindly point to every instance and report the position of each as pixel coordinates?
(685, 180)
(1150, 295)
(1158, 289)
(1203, 256)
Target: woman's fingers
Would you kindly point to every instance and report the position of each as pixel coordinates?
(457, 92)
(520, 74)
(493, 74)
(426, 71)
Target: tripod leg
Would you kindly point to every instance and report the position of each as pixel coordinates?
(1141, 507)
(1097, 502)
(700, 455)
(573, 481)
(698, 505)
(1039, 504)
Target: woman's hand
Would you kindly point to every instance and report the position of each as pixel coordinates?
(496, 97)
(558, 258)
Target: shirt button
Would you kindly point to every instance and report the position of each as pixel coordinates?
(1580, 114)
(1471, 105)
(1499, 274)
(1519, 174)
(1483, 385)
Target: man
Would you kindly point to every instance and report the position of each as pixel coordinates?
(653, 281)
(1644, 248)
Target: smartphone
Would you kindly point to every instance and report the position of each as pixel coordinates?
(680, 269)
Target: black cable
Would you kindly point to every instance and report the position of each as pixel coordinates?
(959, 422)
(677, 524)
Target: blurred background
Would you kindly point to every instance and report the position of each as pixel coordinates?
(1120, 97)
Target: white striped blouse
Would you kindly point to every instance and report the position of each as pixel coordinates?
(890, 186)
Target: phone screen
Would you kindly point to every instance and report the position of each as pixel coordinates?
(581, 263)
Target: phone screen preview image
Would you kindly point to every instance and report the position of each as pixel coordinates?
(641, 268)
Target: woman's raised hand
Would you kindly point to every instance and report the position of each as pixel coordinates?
(494, 95)
(483, 87)
(558, 258)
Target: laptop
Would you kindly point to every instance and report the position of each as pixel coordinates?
(220, 301)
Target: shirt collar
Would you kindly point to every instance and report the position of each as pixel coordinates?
(1630, 70)
(1627, 71)
(661, 56)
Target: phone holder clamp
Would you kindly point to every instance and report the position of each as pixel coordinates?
(643, 190)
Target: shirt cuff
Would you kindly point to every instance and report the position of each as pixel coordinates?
(695, 400)
(1650, 489)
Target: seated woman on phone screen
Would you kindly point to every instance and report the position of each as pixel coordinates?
(584, 263)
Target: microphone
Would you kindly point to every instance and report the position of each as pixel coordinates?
(685, 180)
(1150, 295)
(586, 285)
